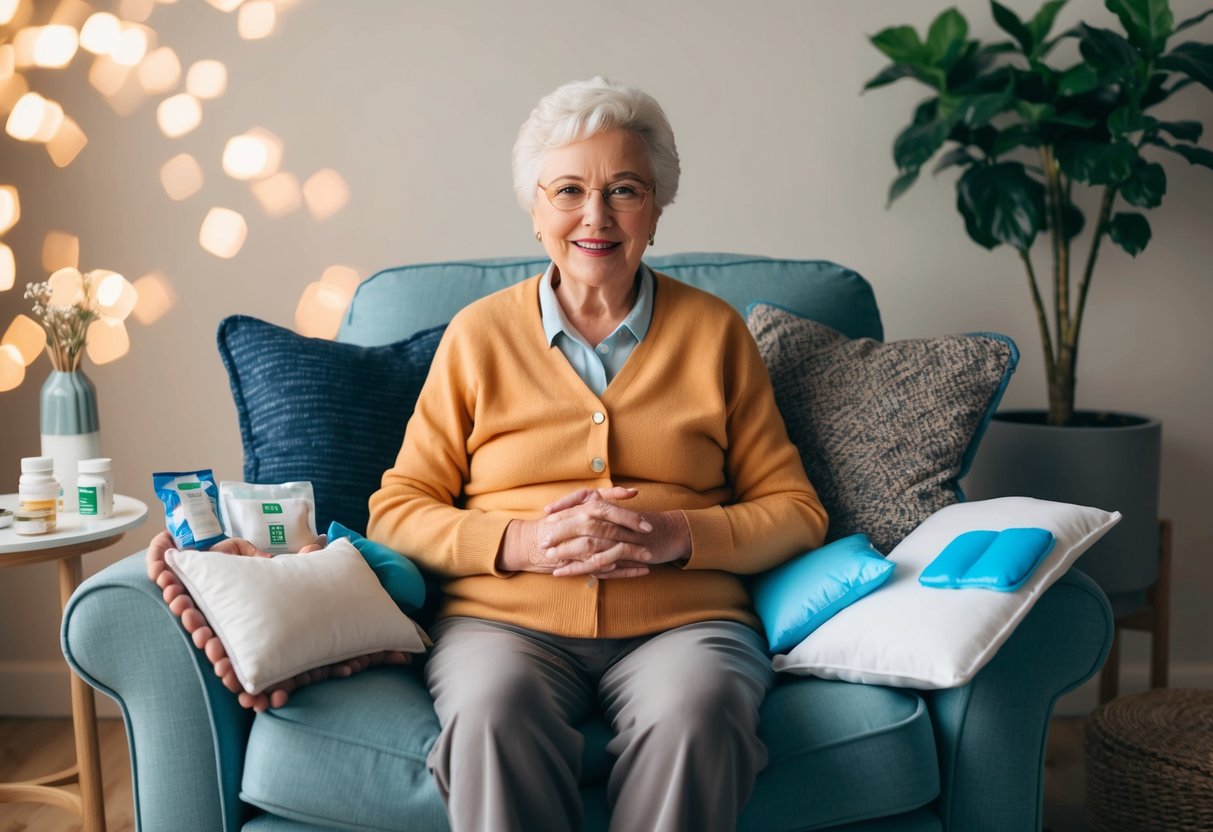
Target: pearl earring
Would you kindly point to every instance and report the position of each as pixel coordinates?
(538, 237)
(651, 238)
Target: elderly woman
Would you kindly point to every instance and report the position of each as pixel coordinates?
(594, 460)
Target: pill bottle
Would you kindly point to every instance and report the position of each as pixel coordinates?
(95, 487)
(37, 492)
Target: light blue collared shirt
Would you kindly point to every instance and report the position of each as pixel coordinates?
(596, 365)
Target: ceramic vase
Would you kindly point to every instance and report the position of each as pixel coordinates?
(71, 430)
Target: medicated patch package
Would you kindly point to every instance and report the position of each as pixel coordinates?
(276, 518)
(191, 507)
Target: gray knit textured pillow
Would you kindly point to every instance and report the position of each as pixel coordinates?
(885, 430)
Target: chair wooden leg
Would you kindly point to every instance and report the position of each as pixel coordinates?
(1109, 677)
(1160, 643)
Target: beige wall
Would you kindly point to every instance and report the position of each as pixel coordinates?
(417, 104)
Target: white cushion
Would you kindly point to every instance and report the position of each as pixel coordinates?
(280, 616)
(908, 635)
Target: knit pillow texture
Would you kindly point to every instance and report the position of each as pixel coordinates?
(330, 413)
(885, 430)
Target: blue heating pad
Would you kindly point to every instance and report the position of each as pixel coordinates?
(1001, 561)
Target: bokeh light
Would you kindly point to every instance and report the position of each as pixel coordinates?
(67, 287)
(223, 232)
(178, 114)
(8, 8)
(136, 10)
(160, 71)
(100, 33)
(34, 118)
(252, 155)
(279, 194)
(256, 20)
(25, 42)
(10, 208)
(320, 310)
(71, 13)
(116, 297)
(133, 43)
(344, 278)
(156, 297)
(27, 336)
(181, 176)
(69, 140)
(60, 250)
(325, 193)
(225, 5)
(107, 340)
(11, 92)
(55, 47)
(206, 79)
(8, 268)
(108, 77)
(12, 368)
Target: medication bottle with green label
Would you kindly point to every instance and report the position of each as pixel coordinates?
(95, 487)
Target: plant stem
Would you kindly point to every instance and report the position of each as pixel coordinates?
(1105, 214)
(1042, 319)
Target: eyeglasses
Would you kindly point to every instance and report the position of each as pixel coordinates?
(624, 195)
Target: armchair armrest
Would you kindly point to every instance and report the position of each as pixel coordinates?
(186, 732)
(991, 734)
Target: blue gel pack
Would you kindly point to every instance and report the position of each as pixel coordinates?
(398, 575)
(1000, 561)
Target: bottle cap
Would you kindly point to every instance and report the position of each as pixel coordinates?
(37, 465)
(100, 465)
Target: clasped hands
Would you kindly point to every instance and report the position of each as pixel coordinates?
(587, 532)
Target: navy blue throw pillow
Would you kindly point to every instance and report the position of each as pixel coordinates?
(330, 413)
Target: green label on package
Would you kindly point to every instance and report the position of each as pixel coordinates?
(271, 508)
(88, 500)
(277, 534)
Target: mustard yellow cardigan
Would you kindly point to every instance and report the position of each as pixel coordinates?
(504, 425)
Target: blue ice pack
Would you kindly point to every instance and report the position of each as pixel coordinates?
(1001, 561)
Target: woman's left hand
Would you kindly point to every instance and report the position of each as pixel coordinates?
(574, 534)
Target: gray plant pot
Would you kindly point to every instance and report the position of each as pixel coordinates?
(1111, 461)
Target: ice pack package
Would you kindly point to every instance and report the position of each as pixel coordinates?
(191, 507)
(274, 518)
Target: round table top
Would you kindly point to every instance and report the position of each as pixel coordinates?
(71, 528)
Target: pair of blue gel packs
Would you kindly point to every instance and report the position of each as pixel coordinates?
(1002, 561)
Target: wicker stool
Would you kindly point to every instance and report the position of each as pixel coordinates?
(1149, 762)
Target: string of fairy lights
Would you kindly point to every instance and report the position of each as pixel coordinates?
(129, 68)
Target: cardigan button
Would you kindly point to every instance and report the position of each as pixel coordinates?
(599, 417)
(598, 465)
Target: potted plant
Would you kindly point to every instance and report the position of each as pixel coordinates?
(1033, 135)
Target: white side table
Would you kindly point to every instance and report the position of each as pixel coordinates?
(73, 537)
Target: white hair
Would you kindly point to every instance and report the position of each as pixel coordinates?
(581, 109)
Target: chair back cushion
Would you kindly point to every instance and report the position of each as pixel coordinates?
(396, 303)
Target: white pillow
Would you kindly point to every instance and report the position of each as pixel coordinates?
(908, 635)
(280, 616)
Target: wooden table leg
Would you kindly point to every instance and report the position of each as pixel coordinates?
(84, 719)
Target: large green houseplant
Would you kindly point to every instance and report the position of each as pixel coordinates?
(1031, 133)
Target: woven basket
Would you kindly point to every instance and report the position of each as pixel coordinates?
(1149, 763)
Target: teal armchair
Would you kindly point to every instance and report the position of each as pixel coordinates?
(350, 753)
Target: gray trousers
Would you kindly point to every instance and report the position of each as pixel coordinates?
(683, 704)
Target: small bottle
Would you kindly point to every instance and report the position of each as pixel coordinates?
(38, 496)
(95, 485)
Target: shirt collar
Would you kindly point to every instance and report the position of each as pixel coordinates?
(554, 321)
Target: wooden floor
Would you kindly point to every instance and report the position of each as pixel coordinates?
(33, 747)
